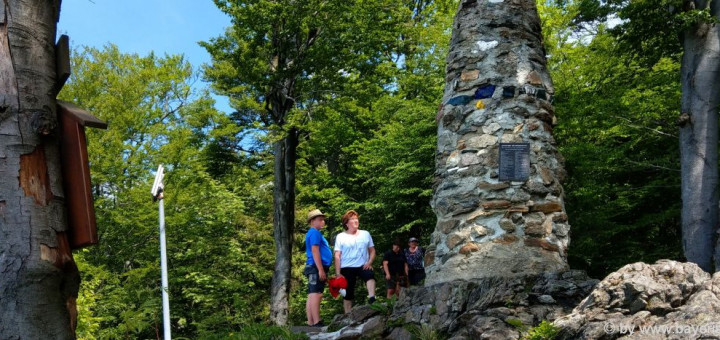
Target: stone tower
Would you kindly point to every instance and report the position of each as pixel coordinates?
(493, 220)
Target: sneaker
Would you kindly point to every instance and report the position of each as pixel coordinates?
(342, 292)
(371, 300)
(319, 324)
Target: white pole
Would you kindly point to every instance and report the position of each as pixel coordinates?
(157, 192)
(163, 266)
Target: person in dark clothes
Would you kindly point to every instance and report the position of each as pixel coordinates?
(415, 257)
(396, 269)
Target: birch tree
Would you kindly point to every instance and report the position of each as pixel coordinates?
(700, 77)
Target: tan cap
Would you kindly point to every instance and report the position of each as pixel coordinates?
(314, 213)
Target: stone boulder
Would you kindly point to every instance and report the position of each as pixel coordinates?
(362, 322)
(490, 308)
(665, 300)
(494, 307)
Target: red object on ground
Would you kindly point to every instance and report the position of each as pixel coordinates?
(335, 284)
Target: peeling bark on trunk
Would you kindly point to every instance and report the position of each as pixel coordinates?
(284, 220)
(699, 141)
(38, 277)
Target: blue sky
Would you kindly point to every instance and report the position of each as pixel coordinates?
(141, 26)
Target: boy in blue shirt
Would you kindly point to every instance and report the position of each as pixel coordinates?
(318, 261)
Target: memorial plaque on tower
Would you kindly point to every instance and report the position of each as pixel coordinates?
(514, 162)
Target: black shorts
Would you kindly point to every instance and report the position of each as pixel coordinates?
(395, 279)
(351, 274)
(416, 276)
(315, 285)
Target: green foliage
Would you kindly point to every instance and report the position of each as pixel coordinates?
(303, 51)
(262, 332)
(544, 331)
(376, 154)
(425, 332)
(386, 307)
(317, 68)
(695, 17)
(588, 11)
(651, 30)
(374, 151)
(257, 331)
(399, 322)
(381, 308)
(517, 323)
(388, 175)
(340, 76)
(219, 262)
(616, 132)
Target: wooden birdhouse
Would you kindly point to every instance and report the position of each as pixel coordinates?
(76, 173)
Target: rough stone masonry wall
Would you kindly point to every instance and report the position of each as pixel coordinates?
(498, 90)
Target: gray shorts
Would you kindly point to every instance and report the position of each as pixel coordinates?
(315, 285)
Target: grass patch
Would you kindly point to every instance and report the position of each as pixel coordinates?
(425, 332)
(260, 331)
(544, 331)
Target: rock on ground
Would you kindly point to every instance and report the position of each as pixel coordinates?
(665, 300)
(491, 308)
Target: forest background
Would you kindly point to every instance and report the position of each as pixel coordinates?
(367, 140)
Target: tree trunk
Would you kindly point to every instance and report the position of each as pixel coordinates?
(284, 219)
(699, 141)
(39, 280)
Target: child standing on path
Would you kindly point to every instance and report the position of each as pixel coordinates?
(317, 265)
